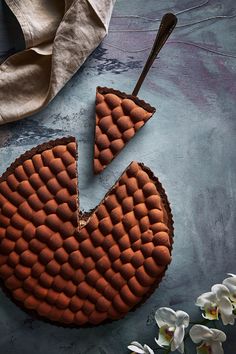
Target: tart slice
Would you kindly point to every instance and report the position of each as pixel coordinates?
(118, 117)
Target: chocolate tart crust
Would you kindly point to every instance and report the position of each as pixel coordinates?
(138, 101)
(36, 150)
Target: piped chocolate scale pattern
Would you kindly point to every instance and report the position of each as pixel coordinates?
(74, 274)
(118, 118)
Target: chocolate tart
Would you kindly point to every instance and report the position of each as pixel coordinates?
(80, 269)
(118, 117)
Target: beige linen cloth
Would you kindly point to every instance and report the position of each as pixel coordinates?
(59, 36)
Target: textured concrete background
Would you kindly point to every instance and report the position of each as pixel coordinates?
(189, 144)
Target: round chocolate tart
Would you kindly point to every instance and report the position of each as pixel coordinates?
(80, 269)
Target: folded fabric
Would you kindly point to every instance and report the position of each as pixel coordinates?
(59, 35)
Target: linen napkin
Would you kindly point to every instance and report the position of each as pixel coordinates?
(59, 36)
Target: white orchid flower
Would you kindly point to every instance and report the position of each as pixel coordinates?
(230, 284)
(217, 301)
(172, 328)
(137, 348)
(211, 339)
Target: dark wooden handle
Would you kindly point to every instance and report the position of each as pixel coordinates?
(167, 25)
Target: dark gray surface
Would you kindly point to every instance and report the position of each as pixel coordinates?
(189, 144)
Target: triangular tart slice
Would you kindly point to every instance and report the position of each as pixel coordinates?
(118, 117)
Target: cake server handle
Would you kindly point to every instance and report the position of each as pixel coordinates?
(168, 23)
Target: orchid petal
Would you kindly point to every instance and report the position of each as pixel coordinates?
(207, 336)
(165, 316)
(136, 347)
(137, 344)
(208, 297)
(182, 318)
(220, 290)
(230, 283)
(198, 333)
(217, 335)
(147, 349)
(216, 348)
(136, 350)
(226, 311)
(232, 296)
(178, 338)
(231, 280)
(181, 348)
